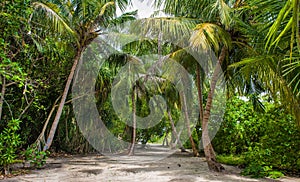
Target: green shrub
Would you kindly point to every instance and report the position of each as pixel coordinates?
(268, 141)
(35, 157)
(255, 171)
(239, 130)
(259, 171)
(280, 145)
(9, 143)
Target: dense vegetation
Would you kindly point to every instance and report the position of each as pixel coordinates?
(256, 42)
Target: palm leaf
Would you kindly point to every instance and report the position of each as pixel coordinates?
(208, 36)
(225, 13)
(59, 24)
(286, 23)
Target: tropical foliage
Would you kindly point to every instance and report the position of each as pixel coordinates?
(256, 44)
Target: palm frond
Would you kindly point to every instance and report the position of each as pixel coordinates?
(266, 68)
(123, 4)
(292, 73)
(126, 17)
(172, 29)
(51, 11)
(207, 36)
(97, 16)
(185, 8)
(225, 13)
(286, 23)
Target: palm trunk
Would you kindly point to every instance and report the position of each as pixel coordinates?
(62, 101)
(187, 121)
(133, 137)
(2, 95)
(175, 132)
(208, 148)
(200, 101)
(199, 88)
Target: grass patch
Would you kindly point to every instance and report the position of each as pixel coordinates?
(231, 160)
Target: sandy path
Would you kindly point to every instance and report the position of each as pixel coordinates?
(177, 167)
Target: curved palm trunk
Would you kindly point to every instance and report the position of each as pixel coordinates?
(62, 101)
(208, 148)
(133, 136)
(175, 132)
(187, 121)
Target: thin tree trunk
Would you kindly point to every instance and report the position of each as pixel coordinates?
(187, 121)
(200, 97)
(132, 146)
(174, 131)
(200, 101)
(208, 148)
(62, 101)
(2, 95)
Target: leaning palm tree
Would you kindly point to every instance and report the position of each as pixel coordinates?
(81, 21)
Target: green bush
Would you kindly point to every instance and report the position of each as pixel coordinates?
(35, 157)
(279, 148)
(268, 141)
(259, 171)
(9, 143)
(240, 128)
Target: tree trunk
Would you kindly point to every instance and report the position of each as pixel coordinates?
(2, 95)
(208, 148)
(199, 88)
(187, 121)
(62, 101)
(200, 101)
(175, 132)
(133, 137)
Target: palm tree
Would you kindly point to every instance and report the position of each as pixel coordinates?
(133, 136)
(211, 33)
(82, 21)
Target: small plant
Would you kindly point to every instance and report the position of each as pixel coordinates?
(9, 143)
(275, 174)
(35, 157)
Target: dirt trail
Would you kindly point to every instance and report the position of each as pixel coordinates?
(180, 167)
